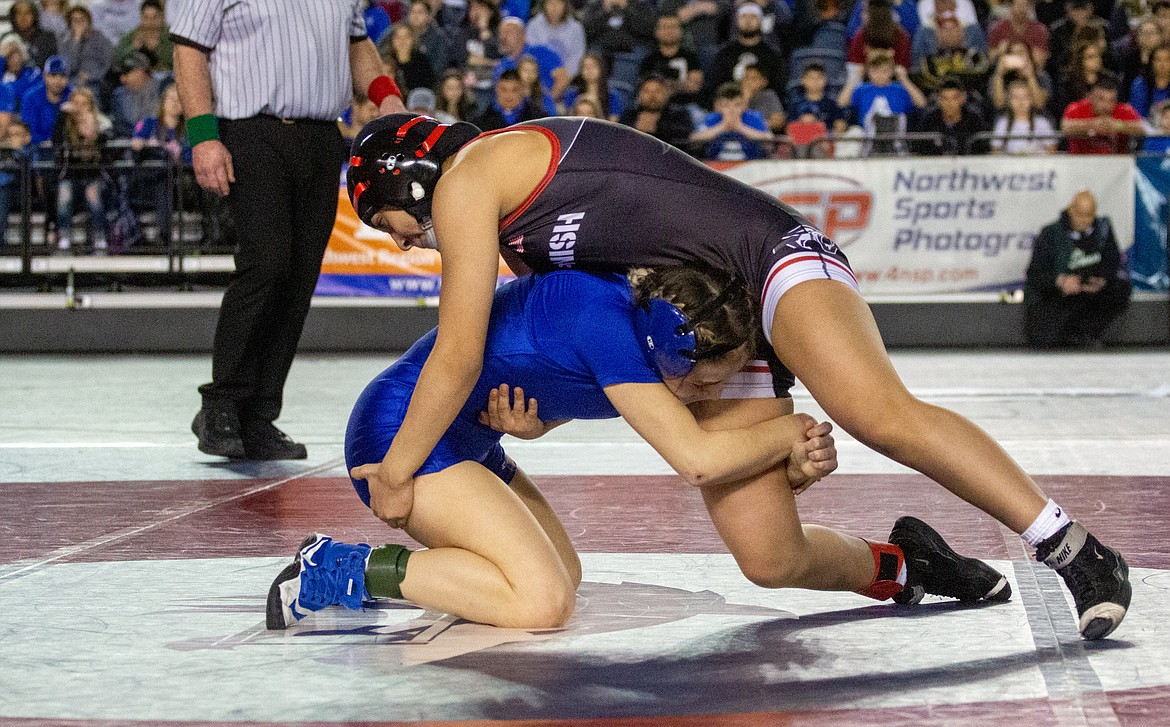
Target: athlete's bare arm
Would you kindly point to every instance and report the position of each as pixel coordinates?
(705, 458)
(485, 182)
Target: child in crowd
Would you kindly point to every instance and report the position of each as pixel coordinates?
(811, 102)
(733, 132)
(884, 103)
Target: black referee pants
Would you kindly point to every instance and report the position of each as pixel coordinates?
(284, 202)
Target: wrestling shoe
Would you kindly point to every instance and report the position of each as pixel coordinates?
(323, 573)
(263, 441)
(218, 430)
(1096, 574)
(933, 567)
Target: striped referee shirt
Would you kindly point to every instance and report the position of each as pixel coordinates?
(284, 58)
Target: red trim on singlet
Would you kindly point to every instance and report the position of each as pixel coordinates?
(756, 369)
(553, 163)
(803, 258)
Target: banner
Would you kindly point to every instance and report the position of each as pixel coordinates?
(1147, 257)
(363, 261)
(930, 225)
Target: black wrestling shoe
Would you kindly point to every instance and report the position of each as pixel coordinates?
(218, 429)
(933, 567)
(1096, 574)
(263, 441)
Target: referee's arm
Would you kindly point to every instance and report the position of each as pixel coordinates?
(211, 159)
(365, 64)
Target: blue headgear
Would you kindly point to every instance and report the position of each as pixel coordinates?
(667, 337)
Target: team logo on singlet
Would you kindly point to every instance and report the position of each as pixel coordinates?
(517, 243)
(562, 245)
(804, 237)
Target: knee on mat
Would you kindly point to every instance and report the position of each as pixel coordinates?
(547, 607)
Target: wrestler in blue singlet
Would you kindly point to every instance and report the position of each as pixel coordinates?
(562, 337)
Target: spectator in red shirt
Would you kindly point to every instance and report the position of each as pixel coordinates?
(1020, 25)
(1098, 124)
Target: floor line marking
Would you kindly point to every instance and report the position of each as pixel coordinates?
(168, 516)
(1075, 693)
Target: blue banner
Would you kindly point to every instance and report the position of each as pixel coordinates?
(1147, 257)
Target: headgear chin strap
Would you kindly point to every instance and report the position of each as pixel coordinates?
(667, 334)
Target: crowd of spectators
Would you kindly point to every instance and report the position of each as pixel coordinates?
(84, 85)
(732, 79)
(723, 79)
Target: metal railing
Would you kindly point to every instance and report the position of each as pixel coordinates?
(148, 181)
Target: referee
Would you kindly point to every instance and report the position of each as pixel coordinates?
(262, 83)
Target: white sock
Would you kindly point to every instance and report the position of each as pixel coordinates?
(1051, 519)
(902, 574)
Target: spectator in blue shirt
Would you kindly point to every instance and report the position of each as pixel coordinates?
(733, 132)
(7, 107)
(42, 102)
(810, 101)
(513, 46)
(509, 105)
(882, 96)
(377, 21)
(19, 73)
(1159, 142)
(8, 178)
(1153, 86)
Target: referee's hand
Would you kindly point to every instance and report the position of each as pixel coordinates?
(213, 166)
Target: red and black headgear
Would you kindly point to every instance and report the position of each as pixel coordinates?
(396, 161)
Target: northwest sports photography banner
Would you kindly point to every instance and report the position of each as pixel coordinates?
(910, 226)
(935, 225)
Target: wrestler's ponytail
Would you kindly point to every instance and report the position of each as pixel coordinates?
(716, 304)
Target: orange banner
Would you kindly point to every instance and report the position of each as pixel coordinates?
(363, 261)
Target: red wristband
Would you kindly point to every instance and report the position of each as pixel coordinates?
(381, 87)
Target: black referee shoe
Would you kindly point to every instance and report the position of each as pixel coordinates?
(933, 567)
(1096, 574)
(218, 429)
(263, 441)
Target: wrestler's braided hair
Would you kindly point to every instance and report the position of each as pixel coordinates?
(717, 304)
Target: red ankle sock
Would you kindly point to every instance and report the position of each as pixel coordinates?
(887, 565)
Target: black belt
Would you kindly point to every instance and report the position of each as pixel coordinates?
(279, 120)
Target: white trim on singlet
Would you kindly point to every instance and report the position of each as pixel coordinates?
(789, 271)
(565, 153)
(753, 381)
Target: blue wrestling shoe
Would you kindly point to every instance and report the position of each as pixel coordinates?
(323, 573)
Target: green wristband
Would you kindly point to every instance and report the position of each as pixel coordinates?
(204, 127)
